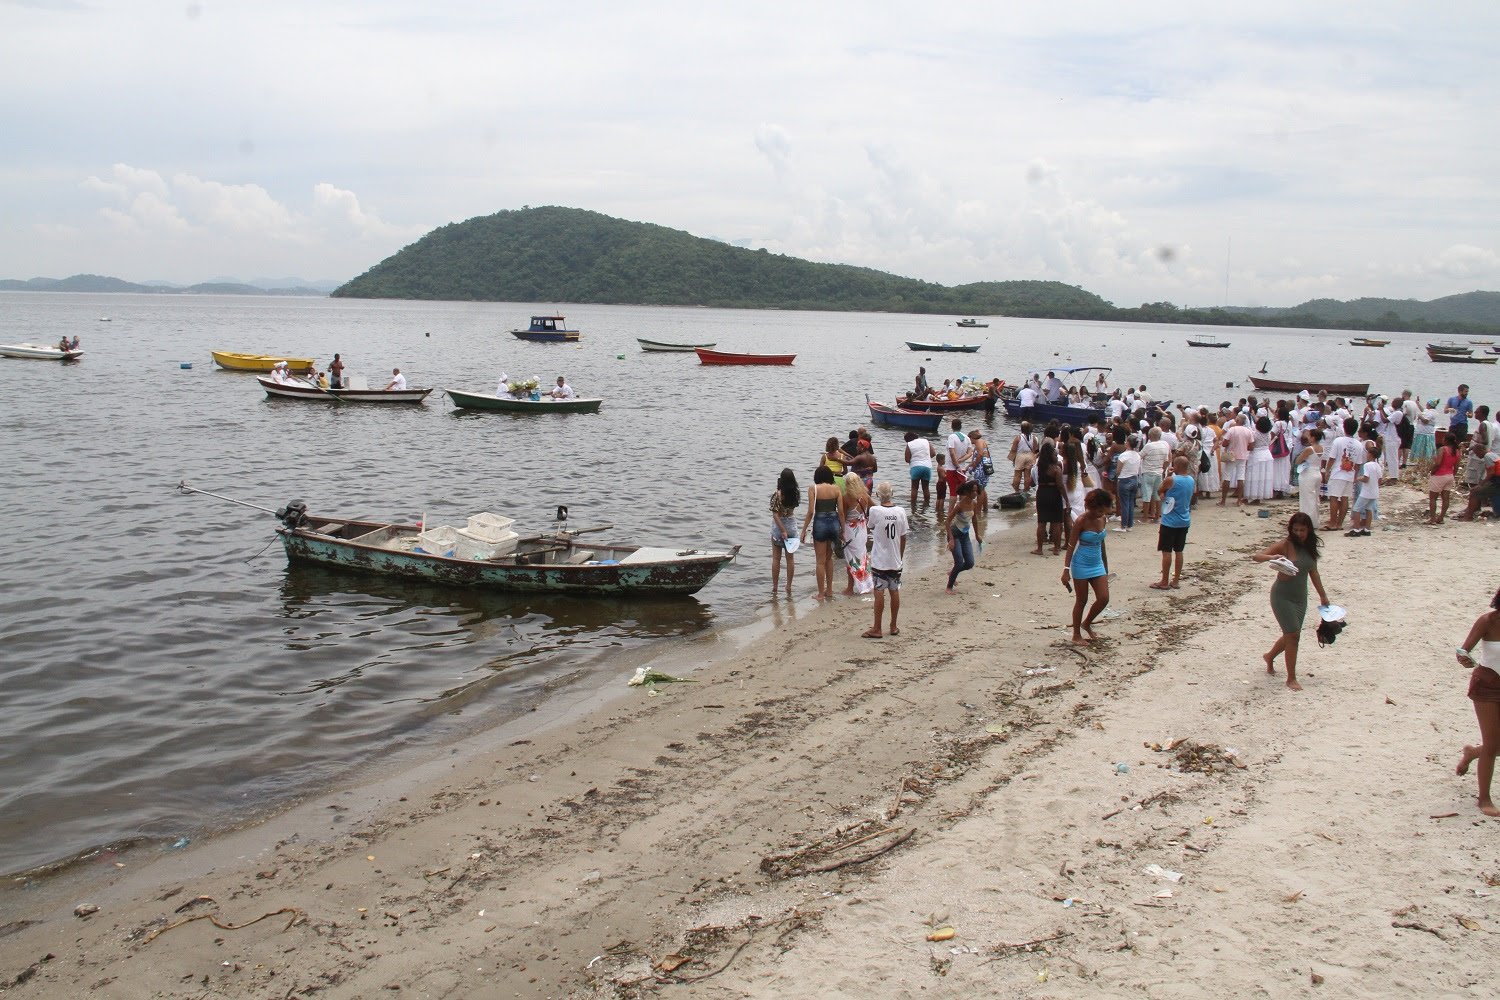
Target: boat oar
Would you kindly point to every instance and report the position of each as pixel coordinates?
(183, 487)
(313, 385)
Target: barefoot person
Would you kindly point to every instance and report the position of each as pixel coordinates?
(1087, 563)
(825, 515)
(1440, 482)
(1176, 493)
(960, 519)
(888, 529)
(784, 504)
(1051, 510)
(1289, 592)
(1481, 652)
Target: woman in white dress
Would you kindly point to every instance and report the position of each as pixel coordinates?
(1208, 482)
(1310, 472)
(1281, 465)
(1259, 470)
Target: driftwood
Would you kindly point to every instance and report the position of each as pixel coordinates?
(214, 918)
(863, 857)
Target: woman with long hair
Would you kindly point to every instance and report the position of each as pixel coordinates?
(1310, 471)
(1289, 592)
(1078, 480)
(784, 502)
(1481, 653)
(825, 515)
(1440, 482)
(856, 537)
(835, 459)
(1051, 512)
(1086, 565)
(956, 528)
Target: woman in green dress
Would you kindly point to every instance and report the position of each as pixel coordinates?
(1289, 592)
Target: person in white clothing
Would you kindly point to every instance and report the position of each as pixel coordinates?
(959, 451)
(1341, 463)
(278, 373)
(1367, 506)
(919, 461)
(502, 385)
(1309, 476)
(888, 528)
(397, 382)
(562, 390)
(1027, 398)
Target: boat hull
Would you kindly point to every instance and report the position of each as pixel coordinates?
(949, 405)
(943, 348)
(38, 352)
(911, 420)
(661, 347)
(679, 573)
(1335, 388)
(236, 362)
(1042, 413)
(1368, 343)
(707, 357)
(546, 336)
(1206, 343)
(504, 404)
(1459, 359)
(313, 394)
(969, 324)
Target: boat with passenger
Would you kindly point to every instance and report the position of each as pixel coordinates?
(40, 352)
(547, 329)
(972, 324)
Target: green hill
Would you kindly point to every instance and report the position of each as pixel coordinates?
(572, 255)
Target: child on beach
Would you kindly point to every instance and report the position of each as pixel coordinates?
(1481, 653)
(1176, 517)
(1367, 505)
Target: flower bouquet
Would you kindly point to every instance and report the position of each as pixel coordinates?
(520, 388)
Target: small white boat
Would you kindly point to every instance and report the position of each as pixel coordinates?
(298, 389)
(40, 352)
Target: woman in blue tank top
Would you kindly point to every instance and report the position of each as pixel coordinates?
(1087, 563)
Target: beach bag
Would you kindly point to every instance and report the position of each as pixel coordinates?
(1204, 463)
(1278, 445)
(987, 465)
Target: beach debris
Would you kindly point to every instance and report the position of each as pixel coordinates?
(646, 677)
(817, 857)
(1469, 925)
(1006, 948)
(1190, 756)
(1294, 897)
(1122, 768)
(1039, 671)
(1412, 925)
(1157, 871)
(942, 934)
(85, 910)
(297, 916)
(1164, 894)
(178, 844)
(1317, 980)
(32, 969)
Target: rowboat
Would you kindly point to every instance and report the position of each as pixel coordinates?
(510, 404)
(547, 329)
(1332, 388)
(707, 357)
(1367, 342)
(297, 389)
(1207, 342)
(911, 420)
(957, 348)
(981, 402)
(38, 352)
(482, 556)
(1482, 343)
(235, 362)
(1449, 348)
(972, 324)
(1459, 359)
(662, 347)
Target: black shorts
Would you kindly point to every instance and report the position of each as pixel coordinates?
(1405, 433)
(1171, 539)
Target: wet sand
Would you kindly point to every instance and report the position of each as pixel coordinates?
(806, 813)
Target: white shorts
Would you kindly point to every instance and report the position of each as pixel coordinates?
(1234, 471)
(1340, 488)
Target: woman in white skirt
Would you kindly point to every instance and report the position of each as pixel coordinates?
(1260, 470)
(1310, 472)
(1281, 465)
(1208, 482)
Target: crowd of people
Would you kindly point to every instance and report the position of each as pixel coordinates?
(1134, 461)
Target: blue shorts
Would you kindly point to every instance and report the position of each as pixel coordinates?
(921, 473)
(825, 527)
(1368, 505)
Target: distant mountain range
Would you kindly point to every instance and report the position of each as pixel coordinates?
(219, 286)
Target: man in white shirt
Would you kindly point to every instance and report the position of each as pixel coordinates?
(888, 528)
(562, 390)
(959, 452)
(278, 373)
(397, 382)
(1054, 388)
(1028, 400)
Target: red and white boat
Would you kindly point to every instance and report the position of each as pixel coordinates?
(707, 357)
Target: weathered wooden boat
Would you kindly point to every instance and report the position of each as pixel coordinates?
(1207, 342)
(1459, 359)
(951, 348)
(911, 420)
(1448, 347)
(39, 352)
(972, 324)
(297, 389)
(662, 347)
(236, 362)
(510, 404)
(1367, 342)
(547, 329)
(1294, 387)
(984, 401)
(707, 357)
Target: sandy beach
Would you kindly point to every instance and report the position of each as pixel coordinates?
(974, 807)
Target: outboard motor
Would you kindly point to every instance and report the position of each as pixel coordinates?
(562, 513)
(293, 515)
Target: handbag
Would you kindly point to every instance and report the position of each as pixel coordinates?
(1203, 461)
(1278, 445)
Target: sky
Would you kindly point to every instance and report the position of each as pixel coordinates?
(1235, 153)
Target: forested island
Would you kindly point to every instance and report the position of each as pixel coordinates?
(557, 254)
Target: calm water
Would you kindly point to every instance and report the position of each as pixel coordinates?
(165, 671)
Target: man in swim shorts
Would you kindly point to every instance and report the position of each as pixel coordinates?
(888, 529)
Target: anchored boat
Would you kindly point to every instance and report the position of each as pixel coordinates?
(662, 347)
(510, 404)
(38, 352)
(707, 357)
(547, 329)
(234, 361)
(917, 345)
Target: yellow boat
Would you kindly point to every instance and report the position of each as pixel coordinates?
(236, 362)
